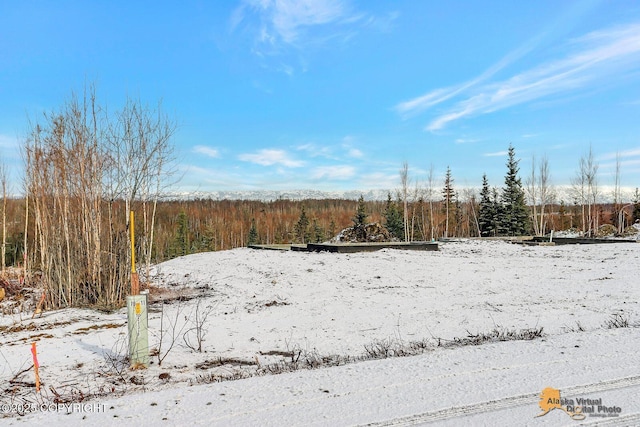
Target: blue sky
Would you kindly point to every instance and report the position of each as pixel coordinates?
(337, 94)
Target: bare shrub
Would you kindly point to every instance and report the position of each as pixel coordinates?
(577, 328)
(497, 334)
(617, 320)
(116, 361)
(194, 336)
(169, 332)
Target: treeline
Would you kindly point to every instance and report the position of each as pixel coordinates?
(199, 225)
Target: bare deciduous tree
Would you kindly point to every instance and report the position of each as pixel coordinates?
(3, 183)
(540, 193)
(585, 188)
(430, 190)
(618, 213)
(404, 182)
(81, 165)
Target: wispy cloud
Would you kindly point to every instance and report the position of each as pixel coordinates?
(333, 172)
(597, 56)
(268, 157)
(354, 152)
(299, 27)
(287, 21)
(207, 151)
(496, 154)
(314, 150)
(380, 180)
(8, 142)
(414, 106)
(634, 152)
(465, 141)
(347, 144)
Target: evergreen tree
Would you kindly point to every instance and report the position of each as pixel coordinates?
(448, 199)
(359, 220)
(317, 233)
(253, 234)
(393, 221)
(562, 213)
(301, 229)
(515, 218)
(487, 212)
(635, 215)
(498, 213)
(332, 228)
(576, 218)
(457, 213)
(180, 244)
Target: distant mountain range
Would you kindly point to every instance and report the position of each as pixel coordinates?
(605, 194)
(269, 195)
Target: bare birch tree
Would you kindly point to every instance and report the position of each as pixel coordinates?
(618, 214)
(430, 190)
(547, 194)
(591, 167)
(586, 191)
(531, 187)
(404, 182)
(81, 164)
(3, 183)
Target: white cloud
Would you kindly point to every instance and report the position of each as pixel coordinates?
(598, 56)
(207, 151)
(354, 152)
(465, 141)
(380, 180)
(496, 154)
(314, 150)
(285, 33)
(333, 172)
(347, 144)
(421, 103)
(634, 152)
(437, 96)
(285, 20)
(268, 157)
(7, 142)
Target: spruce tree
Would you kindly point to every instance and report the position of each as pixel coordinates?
(359, 220)
(498, 214)
(635, 215)
(180, 244)
(448, 199)
(301, 229)
(562, 213)
(393, 219)
(317, 232)
(515, 217)
(332, 228)
(253, 234)
(487, 211)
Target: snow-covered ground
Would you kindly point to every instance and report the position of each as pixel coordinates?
(261, 309)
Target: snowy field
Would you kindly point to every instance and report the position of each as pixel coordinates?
(260, 312)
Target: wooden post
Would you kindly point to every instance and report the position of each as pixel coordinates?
(135, 280)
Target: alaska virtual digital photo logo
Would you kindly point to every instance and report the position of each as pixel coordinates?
(577, 408)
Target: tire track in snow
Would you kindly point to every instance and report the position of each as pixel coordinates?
(623, 420)
(512, 401)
